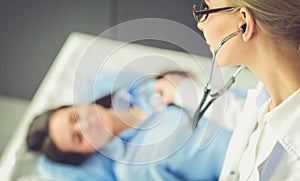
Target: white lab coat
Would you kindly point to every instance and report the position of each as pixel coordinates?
(255, 136)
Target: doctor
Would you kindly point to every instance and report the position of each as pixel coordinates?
(265, 144)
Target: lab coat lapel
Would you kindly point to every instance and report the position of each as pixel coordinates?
(238, 143)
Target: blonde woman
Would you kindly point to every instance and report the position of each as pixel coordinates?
(265, 144)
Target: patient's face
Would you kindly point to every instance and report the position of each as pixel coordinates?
(78, 129)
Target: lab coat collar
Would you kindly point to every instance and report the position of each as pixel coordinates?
(284, 120)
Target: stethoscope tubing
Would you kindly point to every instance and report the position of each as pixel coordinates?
(207, 89)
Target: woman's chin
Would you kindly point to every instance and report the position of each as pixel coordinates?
(225, 63)
(222, 64)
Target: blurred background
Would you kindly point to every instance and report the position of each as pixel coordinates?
(33, 31)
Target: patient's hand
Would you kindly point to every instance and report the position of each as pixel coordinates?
(167, 86)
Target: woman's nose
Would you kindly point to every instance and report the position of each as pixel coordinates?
(81, 125)
(200, 26)
(76, 127)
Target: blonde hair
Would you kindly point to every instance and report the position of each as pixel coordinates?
(278, 18)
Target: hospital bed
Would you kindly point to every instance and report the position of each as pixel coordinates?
(84, 53)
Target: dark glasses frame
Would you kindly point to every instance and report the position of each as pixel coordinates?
(201, 15)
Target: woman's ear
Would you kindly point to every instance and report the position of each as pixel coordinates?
(247, 24)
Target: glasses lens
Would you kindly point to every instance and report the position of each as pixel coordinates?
(203, 6)
(198, 16)
(195, 13)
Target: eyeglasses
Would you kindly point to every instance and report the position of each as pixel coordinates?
(201, 11)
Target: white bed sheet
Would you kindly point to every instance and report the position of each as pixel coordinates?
(57, 87)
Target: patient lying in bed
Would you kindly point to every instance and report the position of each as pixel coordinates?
(144, 139)
(69, 134)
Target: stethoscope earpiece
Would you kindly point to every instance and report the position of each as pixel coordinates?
(243, 28)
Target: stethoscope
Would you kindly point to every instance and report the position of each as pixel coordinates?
(207, 89)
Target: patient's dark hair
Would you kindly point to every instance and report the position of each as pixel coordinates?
(38, 140)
